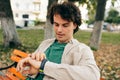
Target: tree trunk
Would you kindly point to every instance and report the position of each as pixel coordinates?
(10, 35)
(48, 29)
(96, 34)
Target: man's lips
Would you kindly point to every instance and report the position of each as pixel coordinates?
(60, 35)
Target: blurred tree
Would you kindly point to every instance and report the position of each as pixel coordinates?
(98, 24)
(99, 19)
(91, 6)
(116, 20)
(113, 17)
(10, 35)
(48, 29)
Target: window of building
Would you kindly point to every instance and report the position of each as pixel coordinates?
(37, 7)
(25, 16)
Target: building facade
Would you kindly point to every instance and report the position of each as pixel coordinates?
(27, 11)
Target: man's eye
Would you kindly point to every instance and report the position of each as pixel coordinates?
(56, 24)
(65, 25)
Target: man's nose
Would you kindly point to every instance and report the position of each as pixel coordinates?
(60, 28)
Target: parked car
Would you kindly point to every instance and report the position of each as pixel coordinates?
(17, 26)
(105, 24)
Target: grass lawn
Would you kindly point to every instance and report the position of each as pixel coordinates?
(107, 57)
(107, 37)
(32, 38)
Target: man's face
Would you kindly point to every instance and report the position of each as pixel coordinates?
(63, 29)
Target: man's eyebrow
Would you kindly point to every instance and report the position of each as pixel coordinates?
(55, 22)
(63, 23)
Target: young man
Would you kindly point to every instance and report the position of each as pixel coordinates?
(62, 58)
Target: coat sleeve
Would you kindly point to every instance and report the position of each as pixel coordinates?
(83, 67)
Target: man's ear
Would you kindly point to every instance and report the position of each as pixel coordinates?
(75, 25)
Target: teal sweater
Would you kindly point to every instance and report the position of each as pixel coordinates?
(53, 54)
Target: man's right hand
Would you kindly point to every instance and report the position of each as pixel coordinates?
(31, 64)
(37, 56)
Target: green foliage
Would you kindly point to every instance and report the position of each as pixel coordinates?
(113, 16)
(38, 22)
(91, 6)
(113, 13)
(116, 20)
(94, 49)
(109, 19)
(73, 0)
(112, 2)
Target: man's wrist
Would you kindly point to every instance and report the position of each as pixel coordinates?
(42, 65)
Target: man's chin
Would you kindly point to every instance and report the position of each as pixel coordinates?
(60, 39)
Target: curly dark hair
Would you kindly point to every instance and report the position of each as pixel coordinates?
(67, 11)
